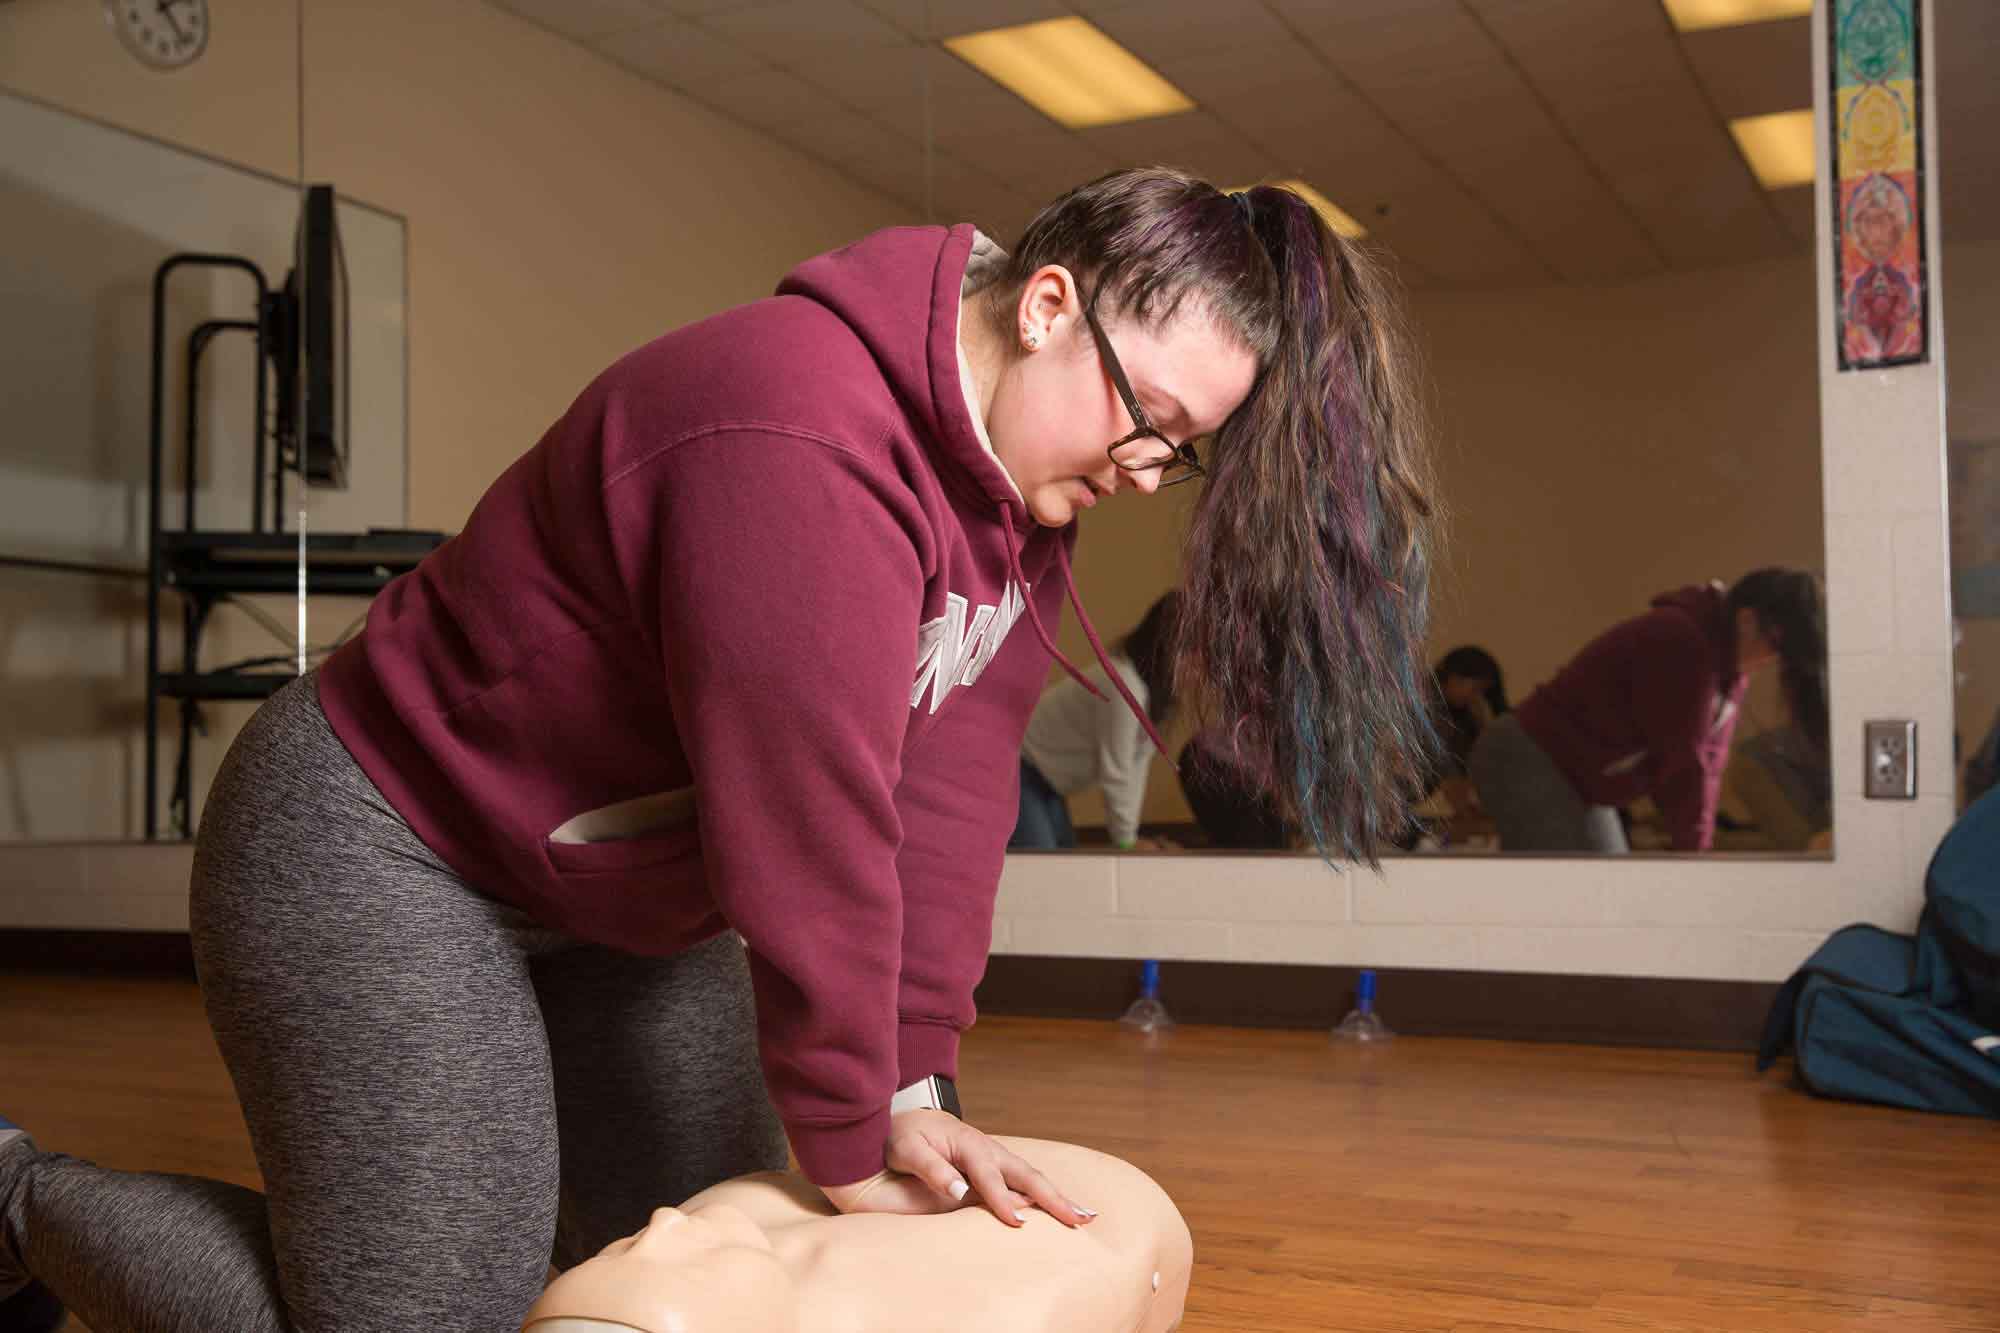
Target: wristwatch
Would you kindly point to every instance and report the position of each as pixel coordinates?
(935, 1093)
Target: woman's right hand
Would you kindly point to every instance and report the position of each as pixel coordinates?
(932, 1155)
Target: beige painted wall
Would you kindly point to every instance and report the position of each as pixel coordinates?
(560, 211)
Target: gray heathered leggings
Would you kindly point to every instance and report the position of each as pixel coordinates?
(443, 1097)
(1531, 800)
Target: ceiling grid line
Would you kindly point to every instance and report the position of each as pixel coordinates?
(1499, 219)
(1486, 143)
(1722, 123)
(1561, 127)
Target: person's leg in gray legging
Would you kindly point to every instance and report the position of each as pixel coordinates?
(381, 1022)
(1532, 803)
(658, 1091)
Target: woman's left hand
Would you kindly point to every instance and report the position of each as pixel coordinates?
(936, 1161)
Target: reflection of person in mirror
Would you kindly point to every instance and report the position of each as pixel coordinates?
(1648, 709)
(1230, 803)
(1469, 691)
(1079, 739)
(768, 1254)
(654, 824)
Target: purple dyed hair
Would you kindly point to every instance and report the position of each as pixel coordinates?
(1305, 578)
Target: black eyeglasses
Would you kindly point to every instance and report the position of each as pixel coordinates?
(1145, 449)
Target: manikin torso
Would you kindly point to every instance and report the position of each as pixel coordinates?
(767, 1254)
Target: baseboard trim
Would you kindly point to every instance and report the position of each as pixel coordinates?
(138, 953)
(1509, 1006)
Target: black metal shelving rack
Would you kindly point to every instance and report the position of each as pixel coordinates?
(207, 566)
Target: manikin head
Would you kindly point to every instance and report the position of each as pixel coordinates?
(708, 1269)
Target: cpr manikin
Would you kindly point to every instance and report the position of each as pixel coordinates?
(767, 1253)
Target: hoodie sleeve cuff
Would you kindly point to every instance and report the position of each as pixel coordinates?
(840, 1154)
(923, 1049)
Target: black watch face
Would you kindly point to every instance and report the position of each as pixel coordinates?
(947, 1094)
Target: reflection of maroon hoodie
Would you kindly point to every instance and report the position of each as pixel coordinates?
(1647, 709)
(766, 557)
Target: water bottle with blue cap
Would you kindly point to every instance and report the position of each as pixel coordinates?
(1362, 1022)
(1147, 1013)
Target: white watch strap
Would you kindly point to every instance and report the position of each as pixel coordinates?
(919, 1096)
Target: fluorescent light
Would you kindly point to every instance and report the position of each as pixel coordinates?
(1778, 147)
(1070, 72)
(1695, 15)
(1342, 224)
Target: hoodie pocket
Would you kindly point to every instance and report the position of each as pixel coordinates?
(629, 835)
(606, 858)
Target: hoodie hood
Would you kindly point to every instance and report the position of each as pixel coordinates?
(870, 285)
(1707, 605)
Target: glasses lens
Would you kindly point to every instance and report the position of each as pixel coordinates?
(1145, 451)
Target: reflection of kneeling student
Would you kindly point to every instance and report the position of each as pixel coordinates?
(1648, 709)
(1076, 741)
(1232, 810)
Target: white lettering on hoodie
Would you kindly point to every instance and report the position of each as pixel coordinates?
(950, 654)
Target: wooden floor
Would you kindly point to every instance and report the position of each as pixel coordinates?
(1462, 1187)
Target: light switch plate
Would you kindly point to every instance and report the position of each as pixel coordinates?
(1890, 750)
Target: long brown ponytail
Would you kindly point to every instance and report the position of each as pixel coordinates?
(1306, 575)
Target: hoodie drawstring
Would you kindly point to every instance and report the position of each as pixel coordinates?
(1089, 631)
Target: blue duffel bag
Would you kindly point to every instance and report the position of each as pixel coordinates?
(1908, 1020)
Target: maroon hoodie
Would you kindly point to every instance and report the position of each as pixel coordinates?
(1647, 709)
(765, 557)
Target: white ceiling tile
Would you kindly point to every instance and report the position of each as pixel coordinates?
(1041, 165)
(805, 35)
(872, 76)
(907, 83)
(936, 19)
(586, 18)
(1301, 124)
(698, 8)
(1582, 23)
(1700, 214)
(1308, 15)
(839, 135)
(904, 176)
(1364, 177)
(1568, 219)
(958, 118)
(1754, 68)
(1195, 141)
(679, 54)
(1158, 31)
(1237, 74)
(772, 99)
(1446, 233)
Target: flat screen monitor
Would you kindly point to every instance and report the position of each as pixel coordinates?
(311, 349)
